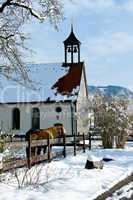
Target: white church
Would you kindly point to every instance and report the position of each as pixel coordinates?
(59, 97)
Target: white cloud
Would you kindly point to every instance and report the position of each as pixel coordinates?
(73, 7)
(113, 44)
(127, 6)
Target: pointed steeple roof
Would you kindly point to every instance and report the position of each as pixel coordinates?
(72, 40)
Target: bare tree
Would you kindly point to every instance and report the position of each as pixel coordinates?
(13, 15)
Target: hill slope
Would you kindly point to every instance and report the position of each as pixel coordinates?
(111, 91)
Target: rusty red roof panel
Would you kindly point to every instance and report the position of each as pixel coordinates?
(66, 84)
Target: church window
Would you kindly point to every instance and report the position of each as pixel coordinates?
(35, 118)
(16, 119)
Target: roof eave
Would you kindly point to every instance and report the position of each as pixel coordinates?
(37, 102)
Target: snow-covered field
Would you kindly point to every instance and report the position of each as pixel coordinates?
(68, 179)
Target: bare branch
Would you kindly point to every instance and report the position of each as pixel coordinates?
(7, 37)
(4, 5)
(13, 15)
(28, 8)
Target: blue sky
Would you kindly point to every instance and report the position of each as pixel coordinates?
(105, 28)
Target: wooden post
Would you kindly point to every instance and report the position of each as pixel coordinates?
(36, 151)
(11, 139)
(29, 151)
(83, 142)
(49, 149)
(64, 143)
(21, 138)
(74, 144)
(89, 140)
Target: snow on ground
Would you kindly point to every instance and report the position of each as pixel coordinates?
(68, 179)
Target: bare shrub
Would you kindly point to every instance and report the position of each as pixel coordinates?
(112, 117)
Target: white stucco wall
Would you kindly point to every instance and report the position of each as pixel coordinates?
(81, 103)
(48, 116)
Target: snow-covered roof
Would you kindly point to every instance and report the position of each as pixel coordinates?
(54, 82)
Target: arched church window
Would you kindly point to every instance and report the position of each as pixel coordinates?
(35, 118)
(16, 119)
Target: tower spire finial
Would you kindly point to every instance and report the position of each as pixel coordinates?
(72, 24)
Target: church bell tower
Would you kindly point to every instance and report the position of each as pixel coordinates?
(72, 49)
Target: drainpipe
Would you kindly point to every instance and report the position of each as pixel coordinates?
(73, 121)
(75, 118)
(71, 106)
